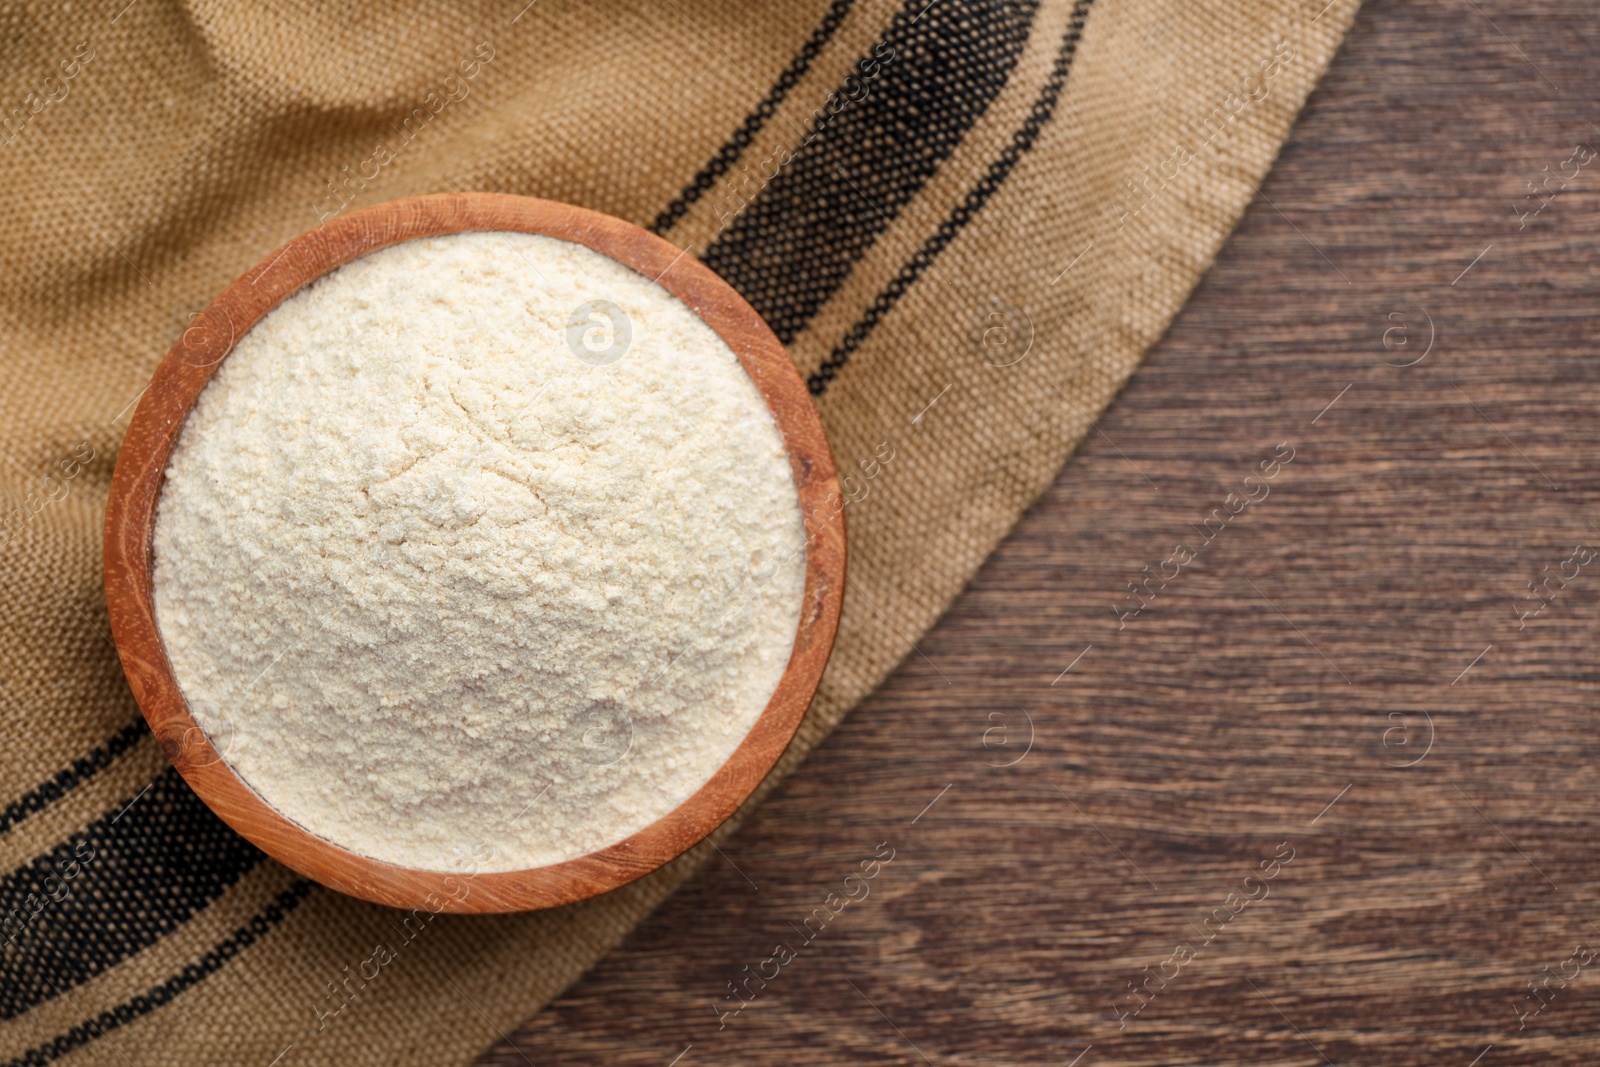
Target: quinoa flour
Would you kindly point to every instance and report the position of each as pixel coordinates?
(439, 582)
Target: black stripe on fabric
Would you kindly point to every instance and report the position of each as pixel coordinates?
(1021, 142)
(127, 881)
(729, 153)
(797, 240)
(155, 997)
(66, 781)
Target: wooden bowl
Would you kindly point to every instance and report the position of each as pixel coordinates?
(141, 465)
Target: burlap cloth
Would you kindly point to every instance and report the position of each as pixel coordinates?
(967, 220)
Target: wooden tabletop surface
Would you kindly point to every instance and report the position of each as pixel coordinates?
(1330, 795)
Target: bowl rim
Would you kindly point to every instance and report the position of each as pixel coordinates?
(188, 367)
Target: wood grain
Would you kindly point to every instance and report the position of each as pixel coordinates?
(1274, 692)
(159, 420)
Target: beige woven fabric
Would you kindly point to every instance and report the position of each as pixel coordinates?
(968, 221)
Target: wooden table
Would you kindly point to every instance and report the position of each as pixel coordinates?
(1341, 674)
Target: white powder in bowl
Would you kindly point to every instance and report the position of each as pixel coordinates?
(448, 583)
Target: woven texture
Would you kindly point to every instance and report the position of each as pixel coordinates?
(966, 220)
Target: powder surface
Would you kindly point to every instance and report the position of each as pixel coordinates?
(482, 552)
